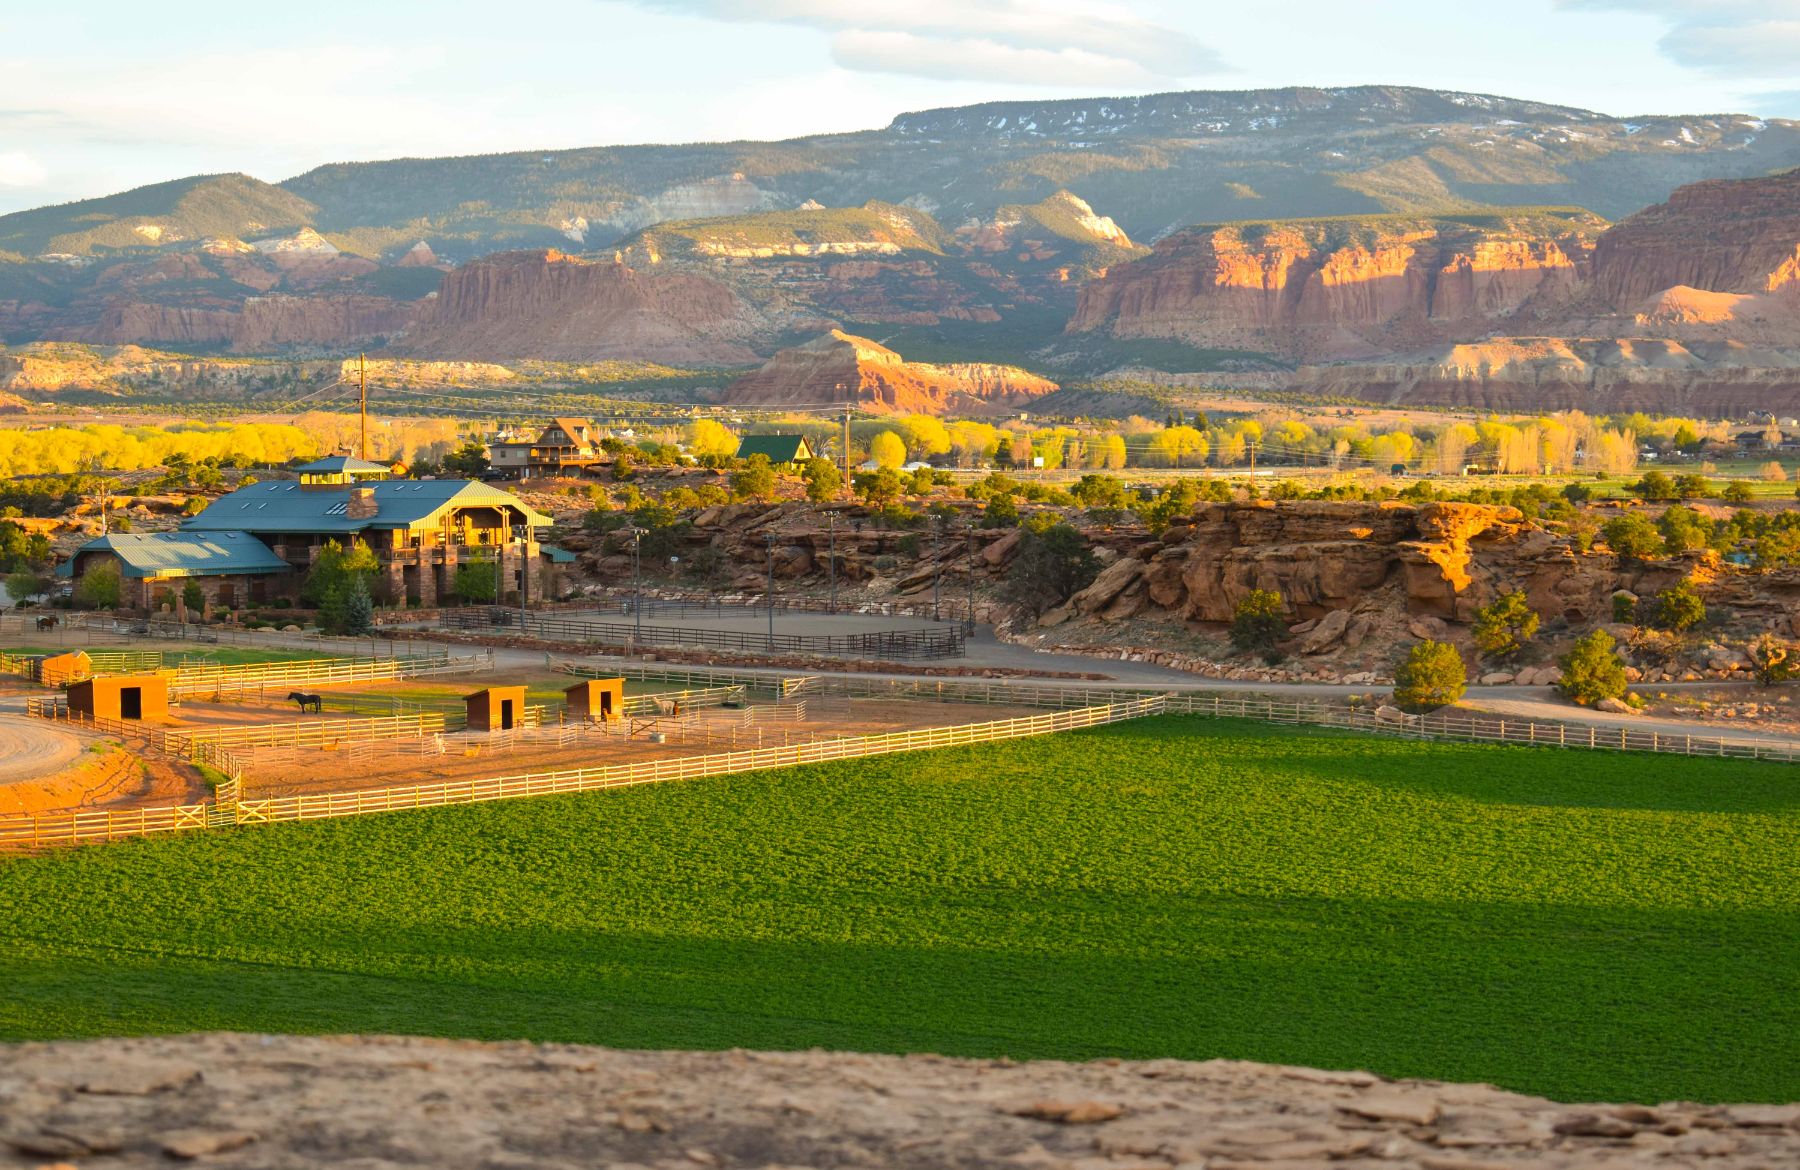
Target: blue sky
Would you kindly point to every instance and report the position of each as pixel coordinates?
(102, 95)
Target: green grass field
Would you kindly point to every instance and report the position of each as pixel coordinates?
(1580, 925)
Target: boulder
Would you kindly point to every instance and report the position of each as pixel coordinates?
(1358, 631)
(1615, 707)
(1001, 551)
(1428, 629)
(1327, 633)
(1496, 678)
(1126, 573)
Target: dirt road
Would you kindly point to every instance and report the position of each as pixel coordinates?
(30, 748)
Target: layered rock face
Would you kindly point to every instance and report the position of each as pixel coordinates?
(842, 368)
(254, 325)
(550, 305)
(1349, 567)
(1725, 236)
(1602, 375)
(1325, 291)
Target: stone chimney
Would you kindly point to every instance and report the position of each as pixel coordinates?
(362, 504)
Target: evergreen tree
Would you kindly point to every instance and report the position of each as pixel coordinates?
(1432, 676)
(359, 608)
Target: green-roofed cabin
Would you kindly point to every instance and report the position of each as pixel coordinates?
(778, 449)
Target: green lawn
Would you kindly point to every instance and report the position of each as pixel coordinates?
(1580, 925)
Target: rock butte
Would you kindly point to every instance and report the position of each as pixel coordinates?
(841, 367)
(281, 1101)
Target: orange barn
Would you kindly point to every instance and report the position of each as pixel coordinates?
(596, 700)
(121, 696)
(496, 709)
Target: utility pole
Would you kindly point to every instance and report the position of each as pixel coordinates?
(637, 587)
(969, 559)
(362, 383)
(1252, 446)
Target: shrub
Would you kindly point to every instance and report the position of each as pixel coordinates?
(1000, 512)
(755, 480)
(1258, 621)
(878, 488)
(1053, 564)
(1774, 472)
(1678, 608)
(193, 597)
(1736, 492)
(1654, 486)
(1632, 538)
(823, 480)
(1431, 676)
(1771, 660)
(1694, 487)
(1624, 607)
(1592, 670)
(1503, 628)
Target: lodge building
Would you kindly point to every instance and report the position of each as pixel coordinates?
(257, 543)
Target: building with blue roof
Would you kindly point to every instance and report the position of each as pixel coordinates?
(256, 544)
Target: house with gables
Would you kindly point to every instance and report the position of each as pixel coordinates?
(257, 543)
(567, 446)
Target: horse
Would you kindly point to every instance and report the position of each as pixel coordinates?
(47, 623)
(316, 702)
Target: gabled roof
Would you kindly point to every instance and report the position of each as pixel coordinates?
(578, 429)
(778, 448)
(285, 506)
(342, 463)
(186, 554)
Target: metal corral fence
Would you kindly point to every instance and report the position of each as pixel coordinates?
(684, 605)
(881, 645)
(695, 677)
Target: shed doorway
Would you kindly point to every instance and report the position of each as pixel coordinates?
(131, 702)
(506, 714)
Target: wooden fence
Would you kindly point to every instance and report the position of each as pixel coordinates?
(215, 678)
(338, 804)
(40, 830)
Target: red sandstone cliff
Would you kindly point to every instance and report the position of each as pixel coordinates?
(549, 305)
(1338, 289)
(841, 367)
(1727, 236)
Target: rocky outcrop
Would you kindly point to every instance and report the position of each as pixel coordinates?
(1601, 375)
(279, 1101)
(1325, 289)
(1728, 236)
(255, 325)
(842, 368)
(550, 305)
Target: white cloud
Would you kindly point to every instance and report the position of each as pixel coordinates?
(1729, 38)
(1041, 42)
(18, 169)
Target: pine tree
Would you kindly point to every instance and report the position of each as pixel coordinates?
(359, 608)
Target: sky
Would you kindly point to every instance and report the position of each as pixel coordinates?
(98, 96)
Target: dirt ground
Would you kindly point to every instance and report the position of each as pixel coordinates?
(1771, 709)
(281, 1101)
(476, 755)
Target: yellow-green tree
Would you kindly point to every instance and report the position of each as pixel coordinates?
(709, 439)
(887, 449)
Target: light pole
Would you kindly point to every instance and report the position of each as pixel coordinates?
(969, 557)
(770, 537)
(637, 585)
(831, 531)
(524, 537)
(937, 565)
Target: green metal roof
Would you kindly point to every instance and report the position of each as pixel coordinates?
(186, 554)
(286, 506)
(778, 448)
(558, 556)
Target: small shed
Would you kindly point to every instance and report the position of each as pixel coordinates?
(62, 669)
(121, 696)
(496, 709)
(596, 700)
